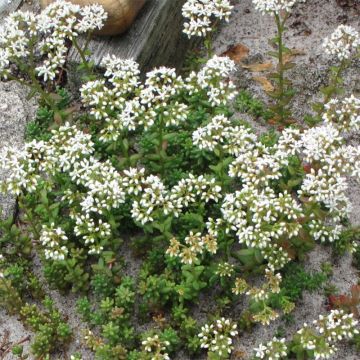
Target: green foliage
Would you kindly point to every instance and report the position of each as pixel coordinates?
(296, 280)
(51, 331)
(39, 128)
(245, 102)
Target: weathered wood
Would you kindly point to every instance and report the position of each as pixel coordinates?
(154, 39)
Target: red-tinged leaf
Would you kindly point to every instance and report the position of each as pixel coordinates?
(237, 52)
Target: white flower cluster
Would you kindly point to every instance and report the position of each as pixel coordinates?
(258, 164)
(259, 217)
(343, 43)
(106, 102)
(273, 350)
(331, 161)
(25, 35)
(122, 103)
(268, 6)
(343, 114)
(220, 132)
(199, 15)
(276, 257)
(211, 80)
(327, 160)
(52, 238)
(331, 328)
(21, 170)
(156, 347)
(65, 149)
(217, 337)
(155, 196)
(93, 231)
(320, 231)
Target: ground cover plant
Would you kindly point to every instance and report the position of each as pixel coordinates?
(155, 169)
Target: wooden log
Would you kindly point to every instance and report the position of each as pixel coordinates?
(154, 39)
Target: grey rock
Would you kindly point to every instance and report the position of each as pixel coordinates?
(15, 111)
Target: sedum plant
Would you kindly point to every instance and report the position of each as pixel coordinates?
(217, 338)
(154, 170)
(318, 343)
(27, 38)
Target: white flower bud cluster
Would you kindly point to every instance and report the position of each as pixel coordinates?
(258, 165)
(218, 337)
(156, 347)
(199, 15)
(276, 257)
(326, 182)
(86, 227)
(195, 244)
(25, 35)
(343, 114)
(327, 162)
(330, 329)
(319, 231)
(343, 43)
(328, 190)
(269, 6)
(64, 150)
(52, 238)
(94, 232)
(104, 189)
(225, 269)
(273, 350)
(261, 216)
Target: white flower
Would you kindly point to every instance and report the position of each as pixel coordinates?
(217, 337)
(51, 239)
(45, 36)
(220, 132)
(212, 79)
(267, 6)
(199, 14)
(343, 43)
(343, 114)
(92, 17)
(274, 349)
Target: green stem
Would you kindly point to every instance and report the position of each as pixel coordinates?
(30, 220)
(280, 29)
(333, 83)
(125, 149)
(222, 172)
(82, 54)
(36, 84)
(160, 145)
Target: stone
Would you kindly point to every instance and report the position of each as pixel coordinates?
(15, 111)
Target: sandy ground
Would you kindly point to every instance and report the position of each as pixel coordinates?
(308, 25)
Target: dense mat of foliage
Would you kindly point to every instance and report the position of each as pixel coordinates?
(151, 200)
